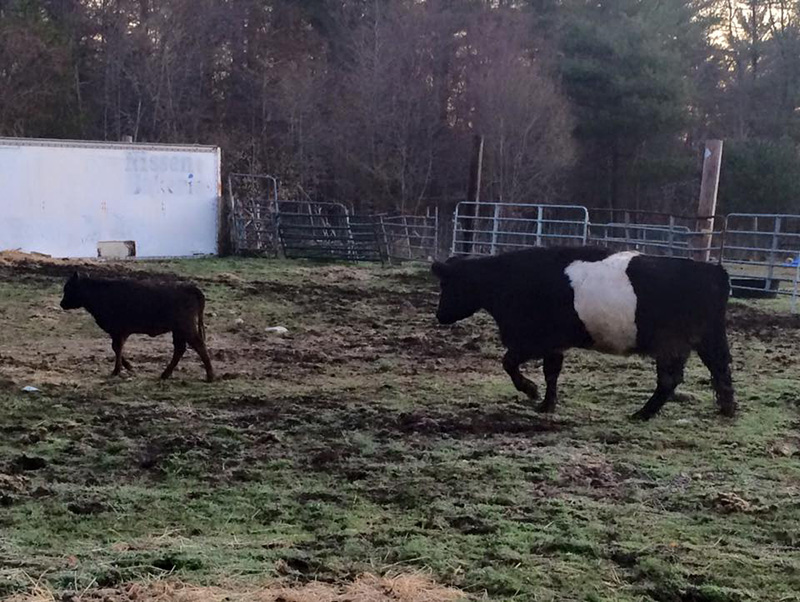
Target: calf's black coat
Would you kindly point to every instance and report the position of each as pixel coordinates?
(680, 307)
(126, 307)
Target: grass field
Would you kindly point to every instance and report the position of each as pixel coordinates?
(372, 440)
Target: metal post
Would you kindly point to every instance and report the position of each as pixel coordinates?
(455, 230)
(539, 213)
(495, 227)
(794, 288)
(585, 226)
(671, 235)
(627, 220)
(773, 247)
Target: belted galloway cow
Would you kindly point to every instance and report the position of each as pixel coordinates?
(124, 307)
(546, 301)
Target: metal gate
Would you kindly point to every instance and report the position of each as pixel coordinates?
(315, 230)
(762, 253)
(491, 228)
(253, 204)
(411, 237)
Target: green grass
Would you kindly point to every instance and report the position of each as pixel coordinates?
(371, 439)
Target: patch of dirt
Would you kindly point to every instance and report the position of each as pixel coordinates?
(589, 471)
(477, 422)
(25, 463)
(413, 587)
(763, 325)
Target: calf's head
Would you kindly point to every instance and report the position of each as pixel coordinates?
(459, 296)
(73, 292)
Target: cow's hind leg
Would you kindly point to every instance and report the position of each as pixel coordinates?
(117, 343)
(198, 344)
(179, 344)
(552, 370)
(715, 354)
(511, 363)
(670, 374)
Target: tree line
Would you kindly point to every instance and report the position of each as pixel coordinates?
(376, 102)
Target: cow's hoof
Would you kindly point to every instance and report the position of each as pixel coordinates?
(164, 376)
(545, 408)
(640, 416)
(729, 411)
(210, 378)
(532, 393)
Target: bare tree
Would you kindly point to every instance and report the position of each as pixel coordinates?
(516, 106)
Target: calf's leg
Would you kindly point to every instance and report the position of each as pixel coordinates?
(198, 344)
(511, 363)
(669, 369)
(117, 342)
(179, 345)
(552, 369)
(715, 354)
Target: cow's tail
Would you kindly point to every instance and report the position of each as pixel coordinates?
(201, 307)
(724, 286)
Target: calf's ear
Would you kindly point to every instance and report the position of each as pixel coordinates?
(440, 270)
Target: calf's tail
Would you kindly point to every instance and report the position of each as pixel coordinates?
(201, 307)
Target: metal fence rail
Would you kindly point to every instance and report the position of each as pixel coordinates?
(672, 241)
(490, 228)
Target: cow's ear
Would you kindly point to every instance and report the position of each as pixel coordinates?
(440, 270)
(75, 276)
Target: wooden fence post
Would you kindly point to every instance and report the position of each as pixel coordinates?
(473, 193)
(707, 207)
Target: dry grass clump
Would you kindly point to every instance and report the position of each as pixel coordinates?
(405, 587)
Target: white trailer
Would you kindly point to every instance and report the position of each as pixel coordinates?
(88, 199)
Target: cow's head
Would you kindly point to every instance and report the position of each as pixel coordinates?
(73, 292)
(460, 295)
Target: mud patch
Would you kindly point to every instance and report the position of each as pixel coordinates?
(763, 325)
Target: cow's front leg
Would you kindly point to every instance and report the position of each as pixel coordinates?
(511, 363)
(552, 370)
(669, 370)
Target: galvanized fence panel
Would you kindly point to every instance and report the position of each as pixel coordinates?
(762, 252)
(671, 241)
(492, 228)
(411, 237)
(655, 233)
